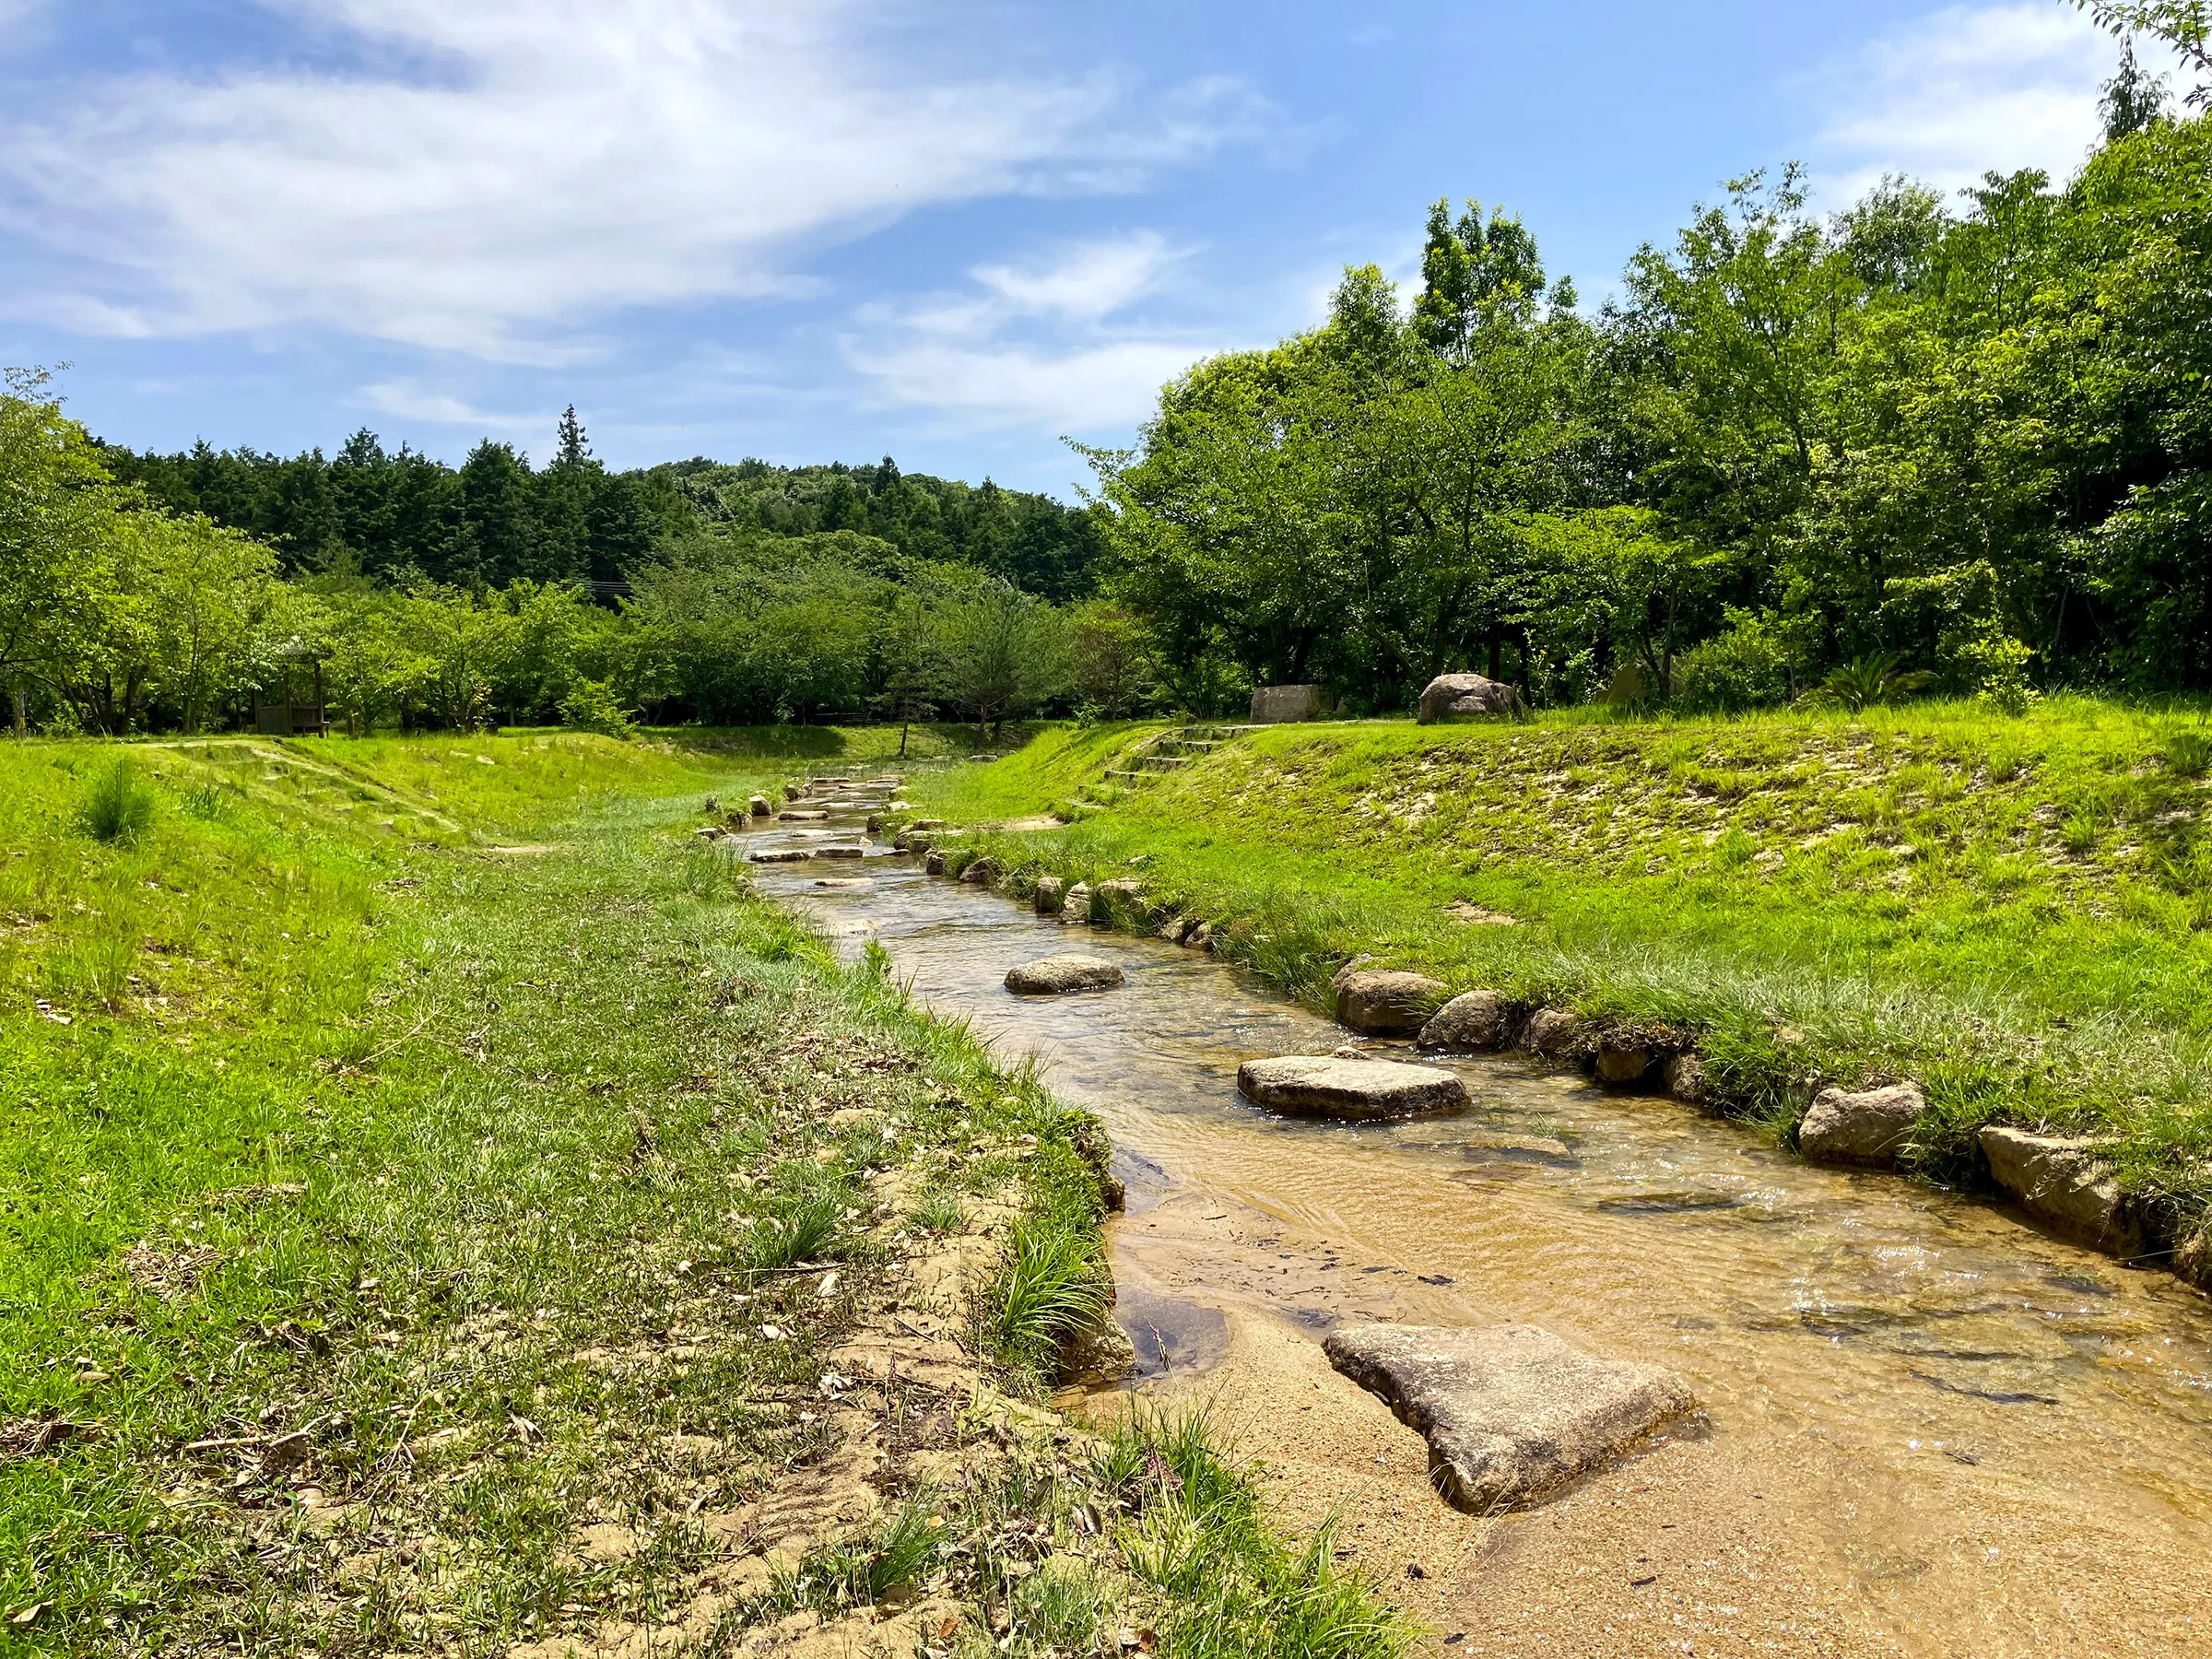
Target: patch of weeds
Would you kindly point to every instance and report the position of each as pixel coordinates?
(2188, 752)
(804, 1228)
(861, 1572)
(2079, 836)
(938, 1211)
(118, 804)
(1049, 1290)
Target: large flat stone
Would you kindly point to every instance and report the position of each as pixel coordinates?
(1384, 1003)
(1323, 1085)
(1054, 975)
(1508, 1411)
(1864, 1128)
(781, 855)
(2067, 1186)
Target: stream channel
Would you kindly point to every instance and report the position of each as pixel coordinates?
(1928, 1429)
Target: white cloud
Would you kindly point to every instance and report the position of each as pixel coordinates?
(1091, 282)
(1038, 345)
(1962, 92)
(557, 159)
(411, 401)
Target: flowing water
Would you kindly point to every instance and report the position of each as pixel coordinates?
(1967, 1438)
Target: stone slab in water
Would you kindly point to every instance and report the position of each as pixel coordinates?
(839, 852)
(2067, 1184)
(1052, 975)
(1510, 1412)
(781, 855)
(1326, 1085)
(801, 818)
(1864, 1127)
(842, 882)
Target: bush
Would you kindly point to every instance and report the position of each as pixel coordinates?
(1743, 667)
(119, 806)
(591, 706)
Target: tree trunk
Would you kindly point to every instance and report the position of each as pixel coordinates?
(902, 731)
(22, 704)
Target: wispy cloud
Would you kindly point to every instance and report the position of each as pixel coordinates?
(410, 400)
(1958, 93)
(1047, 342)
(556, 161)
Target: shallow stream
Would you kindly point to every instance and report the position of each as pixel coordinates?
(1993, 1435)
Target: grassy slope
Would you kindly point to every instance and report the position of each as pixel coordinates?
(334, 1119)
(2017, 912)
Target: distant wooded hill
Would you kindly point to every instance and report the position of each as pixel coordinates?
(390, 516)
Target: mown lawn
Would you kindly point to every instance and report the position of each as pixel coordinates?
(2016, 912)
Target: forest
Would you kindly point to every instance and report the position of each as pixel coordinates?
(1959, 446)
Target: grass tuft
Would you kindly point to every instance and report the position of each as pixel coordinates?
(1050, 1290)
(118, 805)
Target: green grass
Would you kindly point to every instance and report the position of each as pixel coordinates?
(1051, 1291)
(378, 1203)
(2016, 912)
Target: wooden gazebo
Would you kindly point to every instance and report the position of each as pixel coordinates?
(282, 705)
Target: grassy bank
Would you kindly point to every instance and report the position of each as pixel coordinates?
(2017, 912)
(434, 1193)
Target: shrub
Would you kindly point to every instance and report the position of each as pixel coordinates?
(591, 706)
(119, 806)
(1743, 667)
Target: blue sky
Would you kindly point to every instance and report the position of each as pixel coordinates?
(833, 228)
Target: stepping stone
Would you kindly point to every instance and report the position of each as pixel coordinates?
(842, 882)
(1510, 1412)
(839, 852)
(781, 855)
(1474, 1022)
(1054, 975)
(1326, 1085)
(801, 818)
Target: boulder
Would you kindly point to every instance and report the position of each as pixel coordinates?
(927, 824)
(934, 862)
(1510, 1412)
(781, 855)
(1473, 1022)
(875, 823)
(1280, 705)
(792, 792)
(1466, 697)
(1056, 975)
(1684, 1075)
(1200, 937)
(1077, 906)
(980, 872)
(1551, 1032)
(2067, 1186)
(1115, 902)
(839, 852)
(906, 841)
(759, 807)
(1384, 1003)
(1052, 893)
(1863, 1127)
(1326, 1085)
(1622, 1063)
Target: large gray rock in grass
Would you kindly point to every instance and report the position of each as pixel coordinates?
(1280, 705)
(2069, 1185)
(1056, 975)
(1508, 1411)
(1385, 1003)
(1052, 893)
(1114, 903)
(1076, 907)
(1684, 1075)
(1472, 1023)
(1466, 697)
(1864, 1127)
(1551, 1032)
(1327, 1086)
(759, 807)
